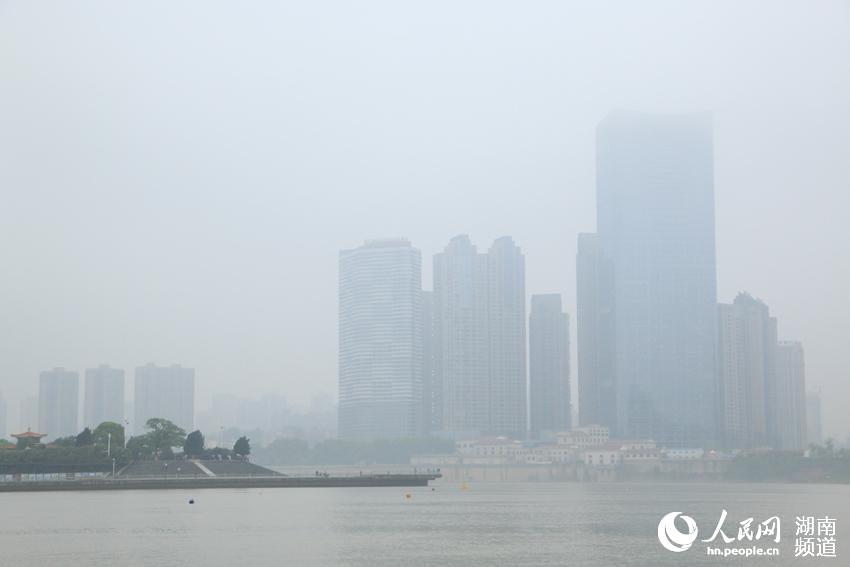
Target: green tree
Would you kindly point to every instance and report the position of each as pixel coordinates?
(102, 432)
(27, 442)
(69, 441)
(242, 447)
(140, 446)
(84, 438)
(194, 445)
(164, 434)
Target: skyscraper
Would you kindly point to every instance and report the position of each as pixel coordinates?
(166, 392)
(479, 303)
(790, 430)
(656, 275)
(104, 396)
(58, 399)
(814, 432)
(549, 365)
(596, 380)
(507, 330)
(462, 340)
(746, 363)
(380, 340)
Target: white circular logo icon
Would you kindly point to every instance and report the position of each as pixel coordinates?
(670, 536)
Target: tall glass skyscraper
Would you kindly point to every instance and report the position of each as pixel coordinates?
(655, 231)
(380, 340)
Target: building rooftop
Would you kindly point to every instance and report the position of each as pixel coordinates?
(29, 435)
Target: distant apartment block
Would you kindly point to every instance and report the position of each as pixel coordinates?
(58, 400)
(104, 396)
(790, 431)
(596, 357)
(746, 371)
(164, 391)
(549, 366)
(480, 338)
(380, 341)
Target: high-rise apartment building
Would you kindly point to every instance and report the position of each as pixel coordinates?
(596, 379)
(549, 366)
(461, 337)
(506, 320)
(166, 392)
(104, 396)
(480, 338)
(380, 341)
(654, 263)
(746, 363)
(790, 428)
(58, 400)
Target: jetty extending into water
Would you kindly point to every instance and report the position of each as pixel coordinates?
(194, 483)
(186, 474)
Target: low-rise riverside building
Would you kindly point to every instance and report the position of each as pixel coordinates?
(583, 437)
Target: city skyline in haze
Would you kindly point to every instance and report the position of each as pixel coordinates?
(203, 228)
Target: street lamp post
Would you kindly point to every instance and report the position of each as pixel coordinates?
(109, 445)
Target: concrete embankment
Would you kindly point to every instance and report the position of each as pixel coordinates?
(220, 482)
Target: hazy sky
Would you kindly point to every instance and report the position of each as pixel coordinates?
(176, 178)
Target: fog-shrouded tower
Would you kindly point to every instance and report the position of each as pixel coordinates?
(597, 393)
(166, 392)
(104, 396)
(789, 432)
(480, 338)
(549, 366)
(380, 341)
(461, 337)
(657, 278)
(58, 400)
(507, 330)
(746, 357)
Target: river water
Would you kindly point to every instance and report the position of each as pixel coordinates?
(528, 524)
